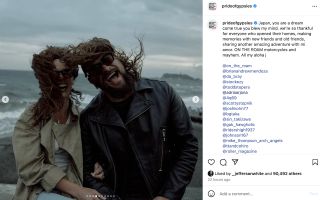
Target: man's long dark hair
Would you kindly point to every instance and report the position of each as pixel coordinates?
(87, 52)
(51, 99)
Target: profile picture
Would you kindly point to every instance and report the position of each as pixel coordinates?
(212, 24)
(213, 6)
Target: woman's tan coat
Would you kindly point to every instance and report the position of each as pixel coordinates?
(34, 154)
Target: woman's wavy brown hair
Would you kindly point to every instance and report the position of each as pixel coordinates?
(51, 99)
(87, 52)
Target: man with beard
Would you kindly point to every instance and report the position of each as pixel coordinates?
(138, 129)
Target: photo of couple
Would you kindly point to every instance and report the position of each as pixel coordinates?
(133, 141)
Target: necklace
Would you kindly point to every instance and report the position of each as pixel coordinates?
(62, 120)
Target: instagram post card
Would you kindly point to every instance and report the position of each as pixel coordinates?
(101, 100)
(260, 103)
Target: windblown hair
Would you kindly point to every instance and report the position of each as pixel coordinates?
(51, 99)
(87, 52)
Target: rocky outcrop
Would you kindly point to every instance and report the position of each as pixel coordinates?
(8, 172)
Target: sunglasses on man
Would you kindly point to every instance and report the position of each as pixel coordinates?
(107, 60)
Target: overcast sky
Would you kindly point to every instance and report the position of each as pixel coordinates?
(171, 30)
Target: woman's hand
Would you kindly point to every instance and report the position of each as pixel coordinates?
(77, 191)
(98, 172)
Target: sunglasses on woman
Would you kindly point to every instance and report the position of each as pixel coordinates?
(105, 60)
(67, 73)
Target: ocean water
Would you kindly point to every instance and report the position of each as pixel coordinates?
(22, 89)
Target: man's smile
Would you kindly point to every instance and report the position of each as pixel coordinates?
(112, 75)
(113, 78)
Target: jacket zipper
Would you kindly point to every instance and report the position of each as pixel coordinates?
(135, 152)
(134, 117)
(114, 172)
(115, 175)
(109, 157)
(163, 140)
(113, 167)
(144, 175)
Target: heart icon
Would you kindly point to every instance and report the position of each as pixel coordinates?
(211, 161)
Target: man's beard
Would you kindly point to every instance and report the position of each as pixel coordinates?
(122, 91)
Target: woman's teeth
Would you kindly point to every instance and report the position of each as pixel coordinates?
(63, 87)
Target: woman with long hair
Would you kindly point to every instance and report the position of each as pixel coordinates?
(47, 140)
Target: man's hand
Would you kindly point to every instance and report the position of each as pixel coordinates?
(98, 172)
(160, 198)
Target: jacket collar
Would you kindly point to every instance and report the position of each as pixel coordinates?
(75, 110)
(142, 85)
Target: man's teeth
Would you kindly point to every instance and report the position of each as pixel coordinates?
(111, 75)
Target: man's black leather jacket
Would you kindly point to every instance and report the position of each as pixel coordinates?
(160, 134)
